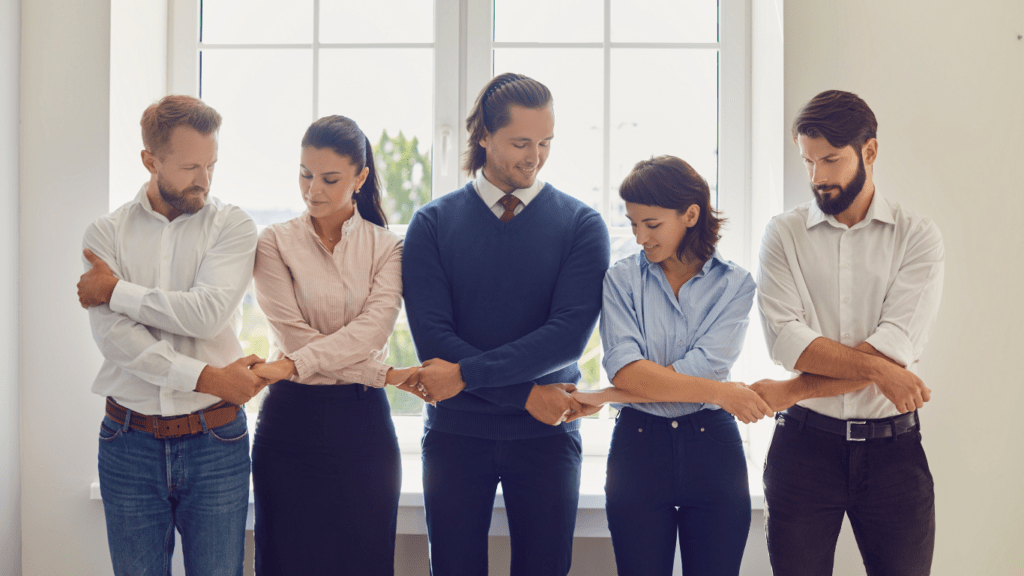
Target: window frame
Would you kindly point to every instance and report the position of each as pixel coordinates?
(463, 63)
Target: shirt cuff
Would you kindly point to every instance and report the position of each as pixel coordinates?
(127, 298)
(184, 373)
(375, 374)
(893, 343)
(303, 369)
(791, 343)
(618, 357)
(695, 365)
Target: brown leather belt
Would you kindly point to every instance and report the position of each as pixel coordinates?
(219, 414)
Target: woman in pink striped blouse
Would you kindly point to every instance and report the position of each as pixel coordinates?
(326, 466)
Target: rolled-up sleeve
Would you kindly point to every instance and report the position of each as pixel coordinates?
(780, 298)
(621, 334)
(912, 301)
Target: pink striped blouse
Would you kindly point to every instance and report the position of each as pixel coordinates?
(330, 313)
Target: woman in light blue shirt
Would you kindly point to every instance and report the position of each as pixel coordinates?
(672, 324)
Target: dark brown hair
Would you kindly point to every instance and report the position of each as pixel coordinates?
(491, 111)
(342, 136)
(163, 116)
(669, 182)
(840, 117)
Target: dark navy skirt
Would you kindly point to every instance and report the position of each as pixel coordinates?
(327, 475)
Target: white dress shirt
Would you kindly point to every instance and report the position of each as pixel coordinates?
(491, 194)
(879, 281)
(176, 307)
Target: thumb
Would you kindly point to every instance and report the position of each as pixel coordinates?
(250, 360)
(92, 258)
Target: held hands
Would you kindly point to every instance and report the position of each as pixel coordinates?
(97, 285)
(902, 387)
(742, 402)
(282, 369)
(407, 380)
(778, 394)
(235, 382)
(553, 404)
(440, 379)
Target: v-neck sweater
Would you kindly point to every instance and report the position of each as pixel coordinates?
(513, 303)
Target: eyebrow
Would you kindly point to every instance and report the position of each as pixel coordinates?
(303, 166)
(525, 139)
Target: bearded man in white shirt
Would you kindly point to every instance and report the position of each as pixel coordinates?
(848, 291)
(165, 275)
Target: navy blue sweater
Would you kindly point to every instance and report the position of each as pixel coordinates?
(513, 303)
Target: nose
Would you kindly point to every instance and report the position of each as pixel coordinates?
(641, 236)
(818, 174)
(532, 155)
(204, 177)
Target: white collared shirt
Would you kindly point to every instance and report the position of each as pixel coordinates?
(879, 281)
(491, 194)
(176, 307)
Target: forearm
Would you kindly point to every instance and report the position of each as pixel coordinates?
(825, 357)
(660, 384)
(811, 385)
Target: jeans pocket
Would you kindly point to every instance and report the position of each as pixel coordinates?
(624, 436)
(109, 430)
(233, 431)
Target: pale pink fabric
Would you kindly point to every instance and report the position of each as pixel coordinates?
(331, 313)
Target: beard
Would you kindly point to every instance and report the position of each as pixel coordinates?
(180, 200)
(847, 194)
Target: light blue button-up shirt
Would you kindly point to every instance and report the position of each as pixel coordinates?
(700, 333)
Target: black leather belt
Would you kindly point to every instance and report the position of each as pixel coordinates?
(853, 430)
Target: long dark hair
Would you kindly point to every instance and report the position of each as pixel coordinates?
(669, 182)
(342, 136)
(491, 111)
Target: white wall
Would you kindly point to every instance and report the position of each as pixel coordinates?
(65, 61)
(946, 81)
(10, 438)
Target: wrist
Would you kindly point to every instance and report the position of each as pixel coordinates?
(108, 293)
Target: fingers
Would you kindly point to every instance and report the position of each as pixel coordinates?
(250, 360)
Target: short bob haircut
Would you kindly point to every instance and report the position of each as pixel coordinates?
(669, 182)
(840, 117)
(491, 112)
(163, 116)
(343, 136)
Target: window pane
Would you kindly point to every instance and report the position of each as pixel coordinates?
(665, 21)
(548, 20)
(389, 93)
(574, 166)
(348, 21)
(256, 22)
(675, 112)
(264, 98)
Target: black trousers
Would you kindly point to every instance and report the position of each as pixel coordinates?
(812, 478)
(326, 479)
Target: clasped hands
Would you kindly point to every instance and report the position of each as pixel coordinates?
(438, 380)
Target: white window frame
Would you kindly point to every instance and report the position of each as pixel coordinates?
(463, 45)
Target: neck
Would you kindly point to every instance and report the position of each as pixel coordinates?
(506, 189)
(685, 268)
(156, 201)
(858, 210)
(330, 226)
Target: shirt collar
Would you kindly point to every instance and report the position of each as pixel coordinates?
(490, 193)
(346, 228)
(715, 257)
(879, 209)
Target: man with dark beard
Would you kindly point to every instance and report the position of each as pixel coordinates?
(849, 287)
(165, 275)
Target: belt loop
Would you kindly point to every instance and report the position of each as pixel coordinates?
(202, 420)
(127, 420)
(693, 422)
(802, 419)
(892, 426)
(360, 391)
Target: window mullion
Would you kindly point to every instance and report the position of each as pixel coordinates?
(606, 200)
(316, 60)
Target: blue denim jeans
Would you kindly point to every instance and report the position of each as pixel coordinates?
(682, 478)
(540, 481)
(813, 478)
(197, 483)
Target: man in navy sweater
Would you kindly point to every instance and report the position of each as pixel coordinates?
(503, 288)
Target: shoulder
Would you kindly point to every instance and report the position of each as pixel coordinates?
(919, 231)
(625, 272)
(106, 226)
(791, 219)
(381, 237)
(229, 217)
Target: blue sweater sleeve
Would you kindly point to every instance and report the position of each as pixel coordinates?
(575, 305)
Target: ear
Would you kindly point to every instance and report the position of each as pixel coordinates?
(869, 152)
(149, 161)
(485, 140)
(362, 177)
(691, 216)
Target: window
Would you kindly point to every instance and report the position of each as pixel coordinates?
(630, 80)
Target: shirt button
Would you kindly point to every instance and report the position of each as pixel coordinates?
(675, 424)
(846, 335)
(701, 429)
(846, 299)
(845, 265)
(639, 429)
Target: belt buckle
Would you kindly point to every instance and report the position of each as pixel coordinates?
(849, 426)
